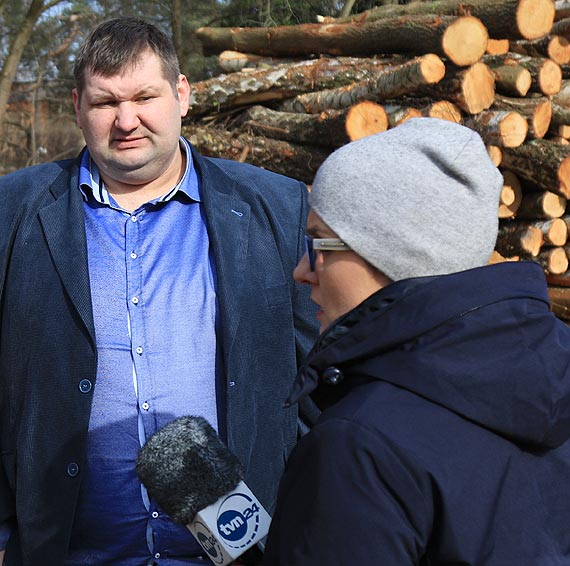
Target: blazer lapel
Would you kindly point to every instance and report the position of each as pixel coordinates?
(228, 225)
(64, 230)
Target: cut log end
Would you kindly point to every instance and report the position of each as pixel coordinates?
(465, 40)
(498, 46)
(564, 176)
(445, 110)
(535, 18)
(513, 129)
(550, 78)
(364, 119)
(496, 154)
(541, 118)
(432, 68)
(478, 88)
(554, 261)
(559, 49)
(557, 233)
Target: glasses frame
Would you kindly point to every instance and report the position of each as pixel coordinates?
(314, 245)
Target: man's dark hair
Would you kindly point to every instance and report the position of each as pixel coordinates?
(119, 43)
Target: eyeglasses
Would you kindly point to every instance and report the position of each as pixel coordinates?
(314, 245)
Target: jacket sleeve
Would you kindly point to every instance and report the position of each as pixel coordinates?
(349, 498)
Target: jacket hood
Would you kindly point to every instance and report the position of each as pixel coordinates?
(482, 343)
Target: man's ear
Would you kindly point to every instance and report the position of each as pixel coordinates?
(183, 89)
(75, 93)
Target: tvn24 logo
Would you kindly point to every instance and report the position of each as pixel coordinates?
(238, 520)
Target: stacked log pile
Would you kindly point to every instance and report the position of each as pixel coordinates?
(291, 95)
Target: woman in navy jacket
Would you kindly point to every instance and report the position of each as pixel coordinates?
(444, 382)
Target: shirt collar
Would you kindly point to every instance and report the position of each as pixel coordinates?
(92, 186)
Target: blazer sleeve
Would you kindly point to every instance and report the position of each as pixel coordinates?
(346, 498)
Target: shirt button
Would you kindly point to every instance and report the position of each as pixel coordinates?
(72, 469)
(85, 386)
(135, 300)
(145, 406)
(134, 218)
(139, 350)
(133, 255)
(157, 555)
(155, 514)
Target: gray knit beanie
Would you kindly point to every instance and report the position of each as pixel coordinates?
(419, 199)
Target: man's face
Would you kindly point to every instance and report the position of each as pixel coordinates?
(131, 122)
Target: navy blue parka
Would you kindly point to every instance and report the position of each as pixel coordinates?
(443, 439)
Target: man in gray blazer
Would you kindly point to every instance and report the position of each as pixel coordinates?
(138, 283)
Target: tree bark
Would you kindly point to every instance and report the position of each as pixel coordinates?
(264, 85)
(504, 19)
(537, 111)
(233, 61)
(512, 80)
(472, 89)
(296, 161)
(555, 47)
(511, 195)
(327, 129)
(546, 74)
(516, 239)
(461, 39)
(541, 205)
(546, 164)
(499, 127)
(389, 83)
(399, 113)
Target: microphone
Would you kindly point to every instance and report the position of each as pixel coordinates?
(195, 478)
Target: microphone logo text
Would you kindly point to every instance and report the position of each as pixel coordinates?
(238, 520)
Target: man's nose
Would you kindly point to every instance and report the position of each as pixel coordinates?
(126, 117)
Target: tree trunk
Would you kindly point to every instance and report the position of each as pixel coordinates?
(296, 161)
(326, 129)
(504, 19)
(499, 127)
(389, 83)
(516, 239)
(541, 205)
(546, 164)
(16, 49)
(555, 47)
(263, 85)
(461, 39)
(512, 80)
(554, 231)
(472, 89)
(546, 74)
(233, 61)
(511, 195)
(537, 111)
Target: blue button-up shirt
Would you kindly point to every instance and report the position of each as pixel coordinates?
(154, 303)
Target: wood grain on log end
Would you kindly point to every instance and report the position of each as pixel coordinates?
(495, 153)
(541, 118)
(550, 78)
(478, 88)
(535, 18)
(432, 68)
(464, 42)
(497, 46)
(364, 119)
(511, 195)
(553, 260)
(445, 110)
